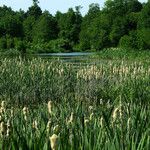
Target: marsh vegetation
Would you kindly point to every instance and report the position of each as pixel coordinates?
(50, 104)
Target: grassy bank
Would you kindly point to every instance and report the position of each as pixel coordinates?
(122, 53)
(92, 107)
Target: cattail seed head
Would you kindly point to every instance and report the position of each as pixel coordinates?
(91, 116)
(90, 108)
(71, 139)
(101, 101)
(2, 128)
(115, 112)
(8, 124)
(86, 121)
(56, 128)
(49, 105)
(54, 141)
(12, 113)
(128, 123)
(8, 132)
(25, 110)
(2, 110)
(3, 104)
(35, 125)
(48, 126)
(70, 119)
(8, 128)
(25, 117)
(101, 121)
(0, 118)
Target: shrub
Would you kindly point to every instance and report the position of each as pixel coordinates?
(84, 45)
(3, 43)
(11, 53)
(77, 48)
(58, 45)
(143, 39)
(10, 43)
(125, 41)
(37, 47)
(136, 39)
(20, 46)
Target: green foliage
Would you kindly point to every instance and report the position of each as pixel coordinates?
(28, 24)
(45, 28)
(130, 41)
(20, 46)
(38, 47)
(11, 25)
(77, 48)
(117, 23)
(144, 38)
(10, 43)
(123, 16)
(144, 20)
(35, 2)
(136, 39)
(86, 27)
(126, 41)
(53, 46)
(10, 53)
(3, 43)
(132, 21)
(59, 45)
(99, 32)
(118, 30)
(7, 42)
(123, 53)
(69, 25)
(144, 27)
(34, 11)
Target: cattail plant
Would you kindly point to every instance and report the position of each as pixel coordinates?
(8, 128)
(48, 127)
(49, 106)
(12, 112)
(25, 112)
(56, 128)
(128, 123)
(3, 128)
(86, 121)
(115, 114)
(90, 108)
(70, 121)
(3, 104)
(35, 125)
(91, 116)
(1, 118)
(54, 142)
(3, 108)
(101, 121)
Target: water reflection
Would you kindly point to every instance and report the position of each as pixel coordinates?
(73, 54)
(75, 58)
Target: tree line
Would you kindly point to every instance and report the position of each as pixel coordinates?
(123, 23)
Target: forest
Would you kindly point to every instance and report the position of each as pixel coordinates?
(120, 23)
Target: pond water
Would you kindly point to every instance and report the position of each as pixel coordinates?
(72, 54)
(73, 57)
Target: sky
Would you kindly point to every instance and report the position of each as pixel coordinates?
(53, 5)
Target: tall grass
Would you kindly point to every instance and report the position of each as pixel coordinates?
(126, 54)
(93, 107)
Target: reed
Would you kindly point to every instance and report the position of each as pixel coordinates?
(54, 105)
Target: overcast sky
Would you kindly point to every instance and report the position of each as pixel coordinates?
(53, 5)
